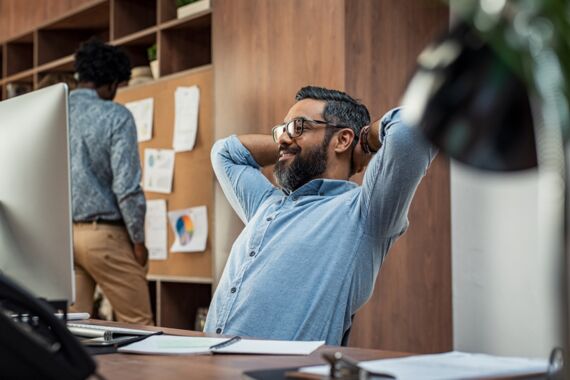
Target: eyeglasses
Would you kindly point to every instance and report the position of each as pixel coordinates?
(296, 127)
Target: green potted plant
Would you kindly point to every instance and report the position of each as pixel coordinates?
(152, 58)
(185, 8)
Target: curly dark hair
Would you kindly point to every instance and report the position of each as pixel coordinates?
(100, 63)
(340, 109)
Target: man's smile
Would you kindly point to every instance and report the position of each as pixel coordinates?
(287, 153)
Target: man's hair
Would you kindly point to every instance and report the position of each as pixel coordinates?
(102, 64)
(340, 109)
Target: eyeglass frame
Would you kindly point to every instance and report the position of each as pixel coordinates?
(303, 120)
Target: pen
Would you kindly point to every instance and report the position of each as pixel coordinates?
(226, 343)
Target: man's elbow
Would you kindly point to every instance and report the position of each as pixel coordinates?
(218, 148)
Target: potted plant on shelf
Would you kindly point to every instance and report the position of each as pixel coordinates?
(186, 8)
(152, 57)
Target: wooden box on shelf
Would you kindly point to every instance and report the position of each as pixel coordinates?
(192, 8)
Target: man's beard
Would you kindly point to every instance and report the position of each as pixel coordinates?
(303, 167)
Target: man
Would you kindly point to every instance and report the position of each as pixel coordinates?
(108, 202)
(310, 252)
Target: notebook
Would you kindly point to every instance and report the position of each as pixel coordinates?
(186, 345)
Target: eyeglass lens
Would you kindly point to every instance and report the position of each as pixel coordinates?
(294, 128)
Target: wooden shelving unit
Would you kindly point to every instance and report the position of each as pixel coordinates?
(134, 25)
(184, 52)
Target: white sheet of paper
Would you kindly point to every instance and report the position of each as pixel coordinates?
(190, 345)
(156, 237)
(142, 111)
(158, 170)
(186, 105)
(271, 347)
(190, 227)
(448, 366)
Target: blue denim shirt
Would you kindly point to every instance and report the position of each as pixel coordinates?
(105, 165)
(308, 260)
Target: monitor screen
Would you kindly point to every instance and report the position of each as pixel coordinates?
(35, 202)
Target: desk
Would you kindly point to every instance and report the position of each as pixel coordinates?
(154, 367)
(203, 367)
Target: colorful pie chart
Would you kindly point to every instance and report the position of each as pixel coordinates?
(184, 229)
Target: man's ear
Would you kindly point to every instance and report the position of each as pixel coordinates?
(343, 140)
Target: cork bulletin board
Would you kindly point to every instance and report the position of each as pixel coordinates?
(193, 182)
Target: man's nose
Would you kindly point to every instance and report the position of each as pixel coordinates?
(284, 139)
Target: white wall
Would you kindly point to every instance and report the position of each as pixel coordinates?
(504, 280)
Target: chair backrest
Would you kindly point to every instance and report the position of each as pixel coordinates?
(346, 335)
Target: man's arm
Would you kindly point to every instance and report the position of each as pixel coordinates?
(235, 162)
(393, 175)
(262, 147)
(126, 167)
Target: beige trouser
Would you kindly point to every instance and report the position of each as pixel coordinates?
(103, 255)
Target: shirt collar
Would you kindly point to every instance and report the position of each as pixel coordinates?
(87, 92)
(322, 186)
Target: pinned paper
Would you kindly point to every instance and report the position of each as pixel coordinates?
(186, 105)
(156, 237)
(142, 111)
(190, 227)
(158, 170)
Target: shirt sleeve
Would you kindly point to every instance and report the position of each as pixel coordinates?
(393, 176)
(240, 177)
(126, 167)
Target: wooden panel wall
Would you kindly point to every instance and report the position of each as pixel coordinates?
(411, 306)
(264, 51)
(19, 16)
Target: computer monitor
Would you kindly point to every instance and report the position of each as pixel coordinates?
(35, 204)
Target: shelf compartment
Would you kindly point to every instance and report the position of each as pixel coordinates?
(20, 54)
(136, 46)
(61, 66)
(19, 84)
(186, 43)
(63, 36)
(64, 64)
(179, 303)
(132, 16)
(153, 293)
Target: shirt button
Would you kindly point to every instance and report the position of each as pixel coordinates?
(252, 253)
(233, 290)
(218, 330)
(269, 219)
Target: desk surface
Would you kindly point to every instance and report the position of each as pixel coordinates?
(153, 367)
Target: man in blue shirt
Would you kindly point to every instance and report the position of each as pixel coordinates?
(311, 249)
(108, 202)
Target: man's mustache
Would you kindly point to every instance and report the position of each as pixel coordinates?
(289, 149)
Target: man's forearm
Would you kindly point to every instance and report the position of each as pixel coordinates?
(262, 147)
